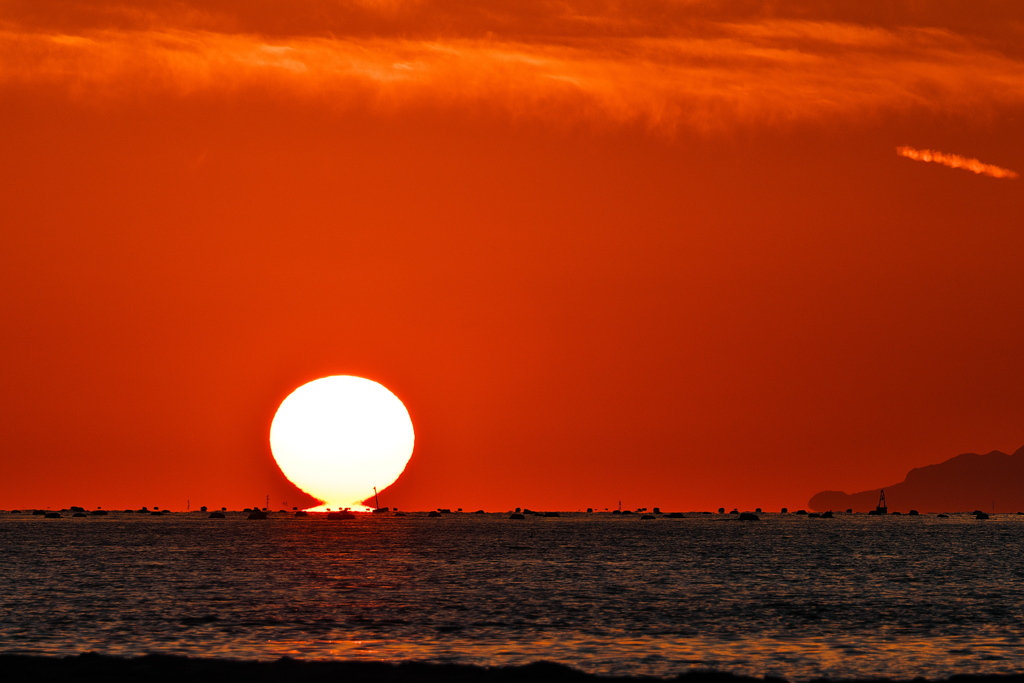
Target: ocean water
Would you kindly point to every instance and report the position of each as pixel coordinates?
(788, 596)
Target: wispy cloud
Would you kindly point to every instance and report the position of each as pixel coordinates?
(956, 161)
(600, 64)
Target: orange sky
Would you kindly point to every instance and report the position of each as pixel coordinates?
(657, 252)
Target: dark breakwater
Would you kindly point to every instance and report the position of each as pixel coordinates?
(93, 668)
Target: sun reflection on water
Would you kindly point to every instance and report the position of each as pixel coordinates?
(790, 597)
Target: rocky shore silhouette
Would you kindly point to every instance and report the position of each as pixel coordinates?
(970, 481)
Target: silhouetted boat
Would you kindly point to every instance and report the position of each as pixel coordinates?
(377, 509)
(881, 508)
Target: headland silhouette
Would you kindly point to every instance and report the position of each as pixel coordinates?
(970, 481)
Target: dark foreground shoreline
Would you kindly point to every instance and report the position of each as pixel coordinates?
(92, 667)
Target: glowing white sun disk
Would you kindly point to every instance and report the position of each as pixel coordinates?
(338, 437)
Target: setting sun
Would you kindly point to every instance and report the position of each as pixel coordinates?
(339, 437)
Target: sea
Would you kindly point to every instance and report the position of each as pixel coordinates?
(788, 595)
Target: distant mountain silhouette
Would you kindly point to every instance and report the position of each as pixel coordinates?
(964, 483)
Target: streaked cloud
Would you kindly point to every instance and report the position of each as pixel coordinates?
(583, 61)
(956, 161)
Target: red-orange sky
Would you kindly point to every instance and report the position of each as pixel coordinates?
(659, 252)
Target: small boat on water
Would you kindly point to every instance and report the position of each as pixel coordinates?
(881, 509)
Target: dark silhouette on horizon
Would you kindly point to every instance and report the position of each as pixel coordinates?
(160, 668)
(881, 508)
(967, 482)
